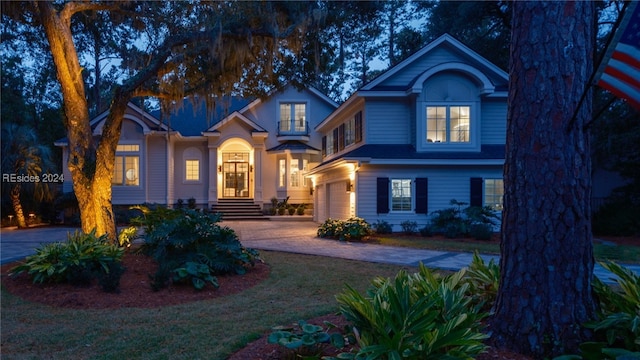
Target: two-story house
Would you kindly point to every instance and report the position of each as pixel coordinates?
(428, 130)
(246, 150)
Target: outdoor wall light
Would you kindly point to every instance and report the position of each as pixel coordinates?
(219, 168)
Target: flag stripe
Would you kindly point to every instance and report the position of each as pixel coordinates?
(621, 89)
(628, 54)
(624, 72)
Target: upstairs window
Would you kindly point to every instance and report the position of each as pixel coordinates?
(448, 124)
(400, 194)
(293, 117)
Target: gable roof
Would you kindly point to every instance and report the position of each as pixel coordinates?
(443, 40)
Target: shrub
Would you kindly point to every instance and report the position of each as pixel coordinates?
(619, 324)
(306, 340)
(354, 228)
(382, 227)
(419, 316)
(483, 280)
(617, 218)
(78, 261)
(301, 208)
(189, 236)
(481, 231)
(291, 209)
(426, 230)
(409, 227)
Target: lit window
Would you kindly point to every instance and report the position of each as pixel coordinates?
(494, 193)
(283, 172)
(293, 117)
(401, 195)
(294, 173)
(305, 170)
(448, 124)
(192, 170)
(126, 171)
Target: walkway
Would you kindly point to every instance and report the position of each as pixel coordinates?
(288, 236)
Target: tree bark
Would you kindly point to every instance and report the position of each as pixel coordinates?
(92, 187)
(546, 250)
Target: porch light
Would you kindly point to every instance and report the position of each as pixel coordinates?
(250, 168)
(349, 186)
(219, 168)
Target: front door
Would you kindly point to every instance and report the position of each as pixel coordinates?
(235, 172)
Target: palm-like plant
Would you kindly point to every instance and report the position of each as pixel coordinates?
(23, 156)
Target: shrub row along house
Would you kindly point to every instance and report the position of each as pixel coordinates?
(428, 130)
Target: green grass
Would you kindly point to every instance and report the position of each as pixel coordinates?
(619, 253)
(299, 287)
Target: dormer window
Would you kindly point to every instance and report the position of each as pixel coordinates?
(293, 118)
(448, 124)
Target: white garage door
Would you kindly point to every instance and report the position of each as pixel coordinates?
(338, 200)
(320, 207)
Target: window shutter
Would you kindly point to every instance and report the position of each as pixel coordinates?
(341, 137)
(476, 192)
(324, 146)
(422, 195)
(383, 195)
(358, 126)
(335, 140)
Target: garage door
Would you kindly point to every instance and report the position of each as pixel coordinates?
(338, 200)
(320, 207)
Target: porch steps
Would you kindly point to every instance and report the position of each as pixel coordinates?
(238, 209)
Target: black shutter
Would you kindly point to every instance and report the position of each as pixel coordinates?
(422, 195)
(324, 146)
(335, 140)
(383, 195)
(476, 192)
(358, 127)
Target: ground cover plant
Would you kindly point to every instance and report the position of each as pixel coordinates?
(78, 261)
(190, 246)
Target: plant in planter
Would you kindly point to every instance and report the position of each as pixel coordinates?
(274, 206)
(283, 206)
(301, 208)
(291, 209)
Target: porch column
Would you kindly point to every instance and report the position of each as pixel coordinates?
(258, 150)
(213, 172)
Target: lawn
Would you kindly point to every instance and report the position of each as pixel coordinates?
(299, 287)
(623, 252)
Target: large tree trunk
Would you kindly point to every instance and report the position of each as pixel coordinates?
(546, 251)
(91, 169)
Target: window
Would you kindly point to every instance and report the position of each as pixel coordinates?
(192, 170)
(293, 117)
(448, 124)
(283, 172)
(400, 195)
(494, 193)
(349, 132)
(329, 143)
(294, 173)
(126, 171)
(305, 170)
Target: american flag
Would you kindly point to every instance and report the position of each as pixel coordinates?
(620, 69)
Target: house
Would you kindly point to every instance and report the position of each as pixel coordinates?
(428, 130)
(251, 150)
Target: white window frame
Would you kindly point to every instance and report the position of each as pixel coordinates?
(474, 127)
(192, 154)
(122, 178)
(292, 121)
(282, 173)
(403, 182)
(490, 195)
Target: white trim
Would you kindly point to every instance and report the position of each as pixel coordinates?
(487, 85)
(231, 117)
(445, 38)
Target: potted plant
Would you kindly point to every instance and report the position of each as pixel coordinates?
(301, 208)
(291, 209)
